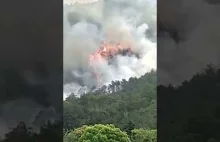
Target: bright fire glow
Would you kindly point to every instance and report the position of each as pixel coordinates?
(104, 53)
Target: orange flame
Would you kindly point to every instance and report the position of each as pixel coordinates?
(106, 51)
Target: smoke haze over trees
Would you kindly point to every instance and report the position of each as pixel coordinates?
(129, 105)
(187, 116)
(126, 96)
(87, 25)
(119, 103)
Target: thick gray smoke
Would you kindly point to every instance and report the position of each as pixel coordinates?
(87, 25)
(24, 110)
(28, 75)
(197, 44)
(27, 108)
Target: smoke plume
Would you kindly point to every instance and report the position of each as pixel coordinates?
(86, 26)
(189, 39)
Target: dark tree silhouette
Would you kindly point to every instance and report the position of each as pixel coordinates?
(129, 127)
(190, 112)
(48, 132)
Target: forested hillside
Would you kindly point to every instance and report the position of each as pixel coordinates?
(123, 111)
(126, 104)
(191, 111)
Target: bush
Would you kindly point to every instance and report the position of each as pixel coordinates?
(143, 135)
(74, 135)
(97, 133)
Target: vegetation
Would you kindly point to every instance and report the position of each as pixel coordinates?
(48, 132)
(142, 135)
(108, 133)
(74, 135)
(98, 133)
(126, 104)
(190, 112)
(129, 106)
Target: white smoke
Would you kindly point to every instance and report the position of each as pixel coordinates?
(85, 26)
(198, 25)
(72, 2)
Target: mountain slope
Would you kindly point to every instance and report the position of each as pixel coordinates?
(121, 103)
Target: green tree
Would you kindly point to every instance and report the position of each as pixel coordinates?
(143, 135)
(103, 133)
(118, 103)
(74, 135)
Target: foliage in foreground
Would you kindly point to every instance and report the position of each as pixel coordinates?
(142, 135)
(74, 135)
(108, 133)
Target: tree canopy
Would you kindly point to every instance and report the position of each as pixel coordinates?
(191, 110)
(109, 133)
(121, 103)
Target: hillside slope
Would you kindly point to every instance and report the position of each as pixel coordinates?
(122, 103)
